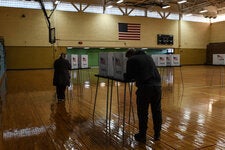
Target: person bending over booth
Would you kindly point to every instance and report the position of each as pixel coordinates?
(141, 68)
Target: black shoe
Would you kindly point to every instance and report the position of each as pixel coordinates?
(140, 137)
(157, 137)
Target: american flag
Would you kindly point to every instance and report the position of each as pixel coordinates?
(129, 31)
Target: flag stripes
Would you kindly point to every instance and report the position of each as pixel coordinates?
(129, 31)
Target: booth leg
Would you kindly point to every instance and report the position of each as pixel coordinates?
(96, 93)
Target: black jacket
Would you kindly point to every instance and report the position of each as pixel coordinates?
(141, 68)
(61, 72)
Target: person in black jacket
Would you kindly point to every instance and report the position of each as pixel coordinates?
(61, 77)
(141, 68)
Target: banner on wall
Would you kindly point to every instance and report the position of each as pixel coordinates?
(218, 59)
(129, 31)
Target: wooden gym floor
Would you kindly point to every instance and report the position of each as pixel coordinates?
(193, 105)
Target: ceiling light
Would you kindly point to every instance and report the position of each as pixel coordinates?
(119, 1)
(165, 6)
(188, 15)
(203, 11)
(110, 6)
(57, 2)
(182, 1)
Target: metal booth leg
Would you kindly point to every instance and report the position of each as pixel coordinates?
(96, 93)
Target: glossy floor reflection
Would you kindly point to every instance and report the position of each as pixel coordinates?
(193, 106)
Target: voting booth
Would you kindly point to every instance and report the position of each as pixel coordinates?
(163, 60)
(119, 65)
(83, 61)
(218, 59)
(77, 61)
(74, 61)
(160, 59)
(112, 64)
(106, 64)
(175, 60)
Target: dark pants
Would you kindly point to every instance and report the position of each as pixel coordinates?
(149, 95)
(60, 91)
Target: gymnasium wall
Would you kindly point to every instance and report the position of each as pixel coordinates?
(217, 41)
(194, 35)
(26, 35)
(192, 56)
(217, 32)
(29, 57)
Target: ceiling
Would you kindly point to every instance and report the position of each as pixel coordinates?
(191, 6)
(213, 7)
